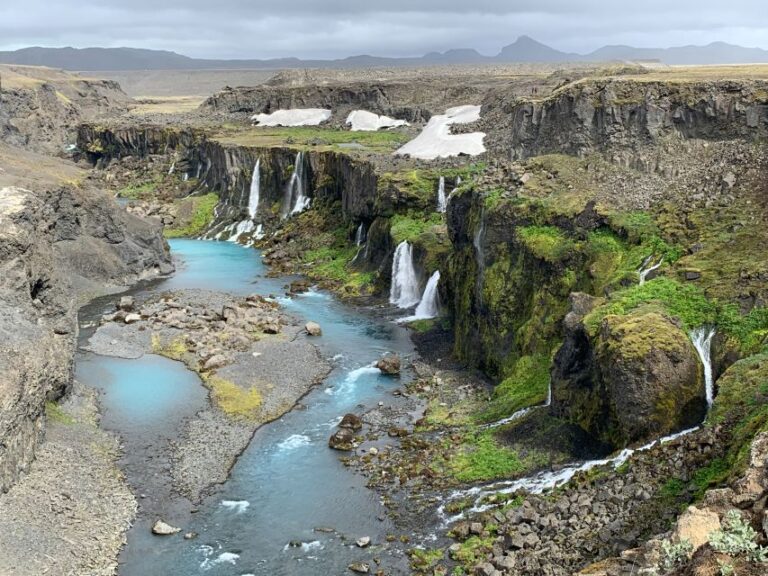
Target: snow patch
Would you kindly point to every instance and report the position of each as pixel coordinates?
(293, 117)
(364, 121)
(436, 140)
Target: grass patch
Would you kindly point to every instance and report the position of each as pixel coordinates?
(141, 191)
(548, 243)
(55, 413)
(473, 550)
(526, 386)
(685, 302)
(332, 263)
(237, 402)
(483, 458)
(176, 349)
(424, 559)
(200, 216)
(407, 228)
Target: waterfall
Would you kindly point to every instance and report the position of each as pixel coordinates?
(647, 268)
(702, 341)
(253, 199)
(442, 203)
(172, 168)
(360, 235)
(429, 307)
(477, 242)
(244, 227)
(295, 199)
(404, 291)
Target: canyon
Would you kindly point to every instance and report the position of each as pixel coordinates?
(585, 292)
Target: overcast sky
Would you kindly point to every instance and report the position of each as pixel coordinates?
(338, 28)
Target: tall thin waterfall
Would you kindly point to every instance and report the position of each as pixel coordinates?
(477, 242)
(648, 267)
(442, 203)
(360, 235)
(404, 291)
(429, 307)
(702, 341)
(253, 199)
(296, 200)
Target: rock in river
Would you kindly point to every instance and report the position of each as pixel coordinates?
(389, 364)
(342, 439)
(160, 528)
(360, 567)
(351, 422)
(313, 329)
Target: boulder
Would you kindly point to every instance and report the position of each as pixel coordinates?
(342, 439)
(363, 542)
(637, 378)
(132, 318)
(127, 303)
(695, 525)
(160, 528)
(214, 362)
(360, 567)
(352, 422)
(389, 365)
(313, 329)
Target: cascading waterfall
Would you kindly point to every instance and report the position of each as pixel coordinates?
(429, 306)
(648, 267)
(702, 341)
(295, 199)
(442, 203)
(360, 235)
(404, 291)
(253, 199)
(477, 242)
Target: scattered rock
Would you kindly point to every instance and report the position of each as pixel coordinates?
(696, 525)
(127, 303)
(190, 535)
(360, 567)
(160, 528)
(352, 422)
(389, 365)
(214, 362)
(313, 329)
(132, 318)
(342, 439)
(363, 542)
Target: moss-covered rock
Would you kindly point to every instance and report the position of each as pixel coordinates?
(638, 378)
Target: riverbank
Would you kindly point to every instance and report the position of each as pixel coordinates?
(70, 511)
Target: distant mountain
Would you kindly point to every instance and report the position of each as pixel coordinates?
(524, 49)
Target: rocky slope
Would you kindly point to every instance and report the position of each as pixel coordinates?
(58, 249)
(40, 108)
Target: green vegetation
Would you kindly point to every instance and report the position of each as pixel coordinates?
(423, 559)
(141, 191)
(675, 554)
(176, 349)
(332, 263)
(55, 413)
(408, 229)
(483, 458)
(664, 295)
(738, 539)
(236, 402)
(197, 215)
(473, 550)
(526, 386)
(547, 242)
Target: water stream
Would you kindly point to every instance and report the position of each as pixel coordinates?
(442, 203)
(287, 482)
(404, 291)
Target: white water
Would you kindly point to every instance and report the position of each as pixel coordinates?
(296, 200)
(360, 235)
(442, 203)
(244, 227)
(429, 306)
(404, 291)
(293, 117)
(295, 441)
(236, 506)
(253, 199)
(436, 140)
(647, 268)
(702, 341)
(523, 412)
(544, 480)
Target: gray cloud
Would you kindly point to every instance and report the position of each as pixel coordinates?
(337, 28)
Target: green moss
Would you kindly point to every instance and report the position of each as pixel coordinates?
(634, 336)
(526, 386)
(547, 242)
(422, 326)
(493, 198)
(201, 215)
(483, 458)
(236, 402)
(176, 349)
(473, 550)
(408, 228)
(55, 413)
(424, 559)
(138, 191)
(685, 302)
(332, 263)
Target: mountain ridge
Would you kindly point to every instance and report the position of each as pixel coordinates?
(523, 50)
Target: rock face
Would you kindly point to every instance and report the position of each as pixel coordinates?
(623, 114)
(56, 250)
(637, 379)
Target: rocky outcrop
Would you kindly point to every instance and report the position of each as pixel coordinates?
(40, 108)
(411, 101)
(56, 250)
(637, 379)
(621, 115)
